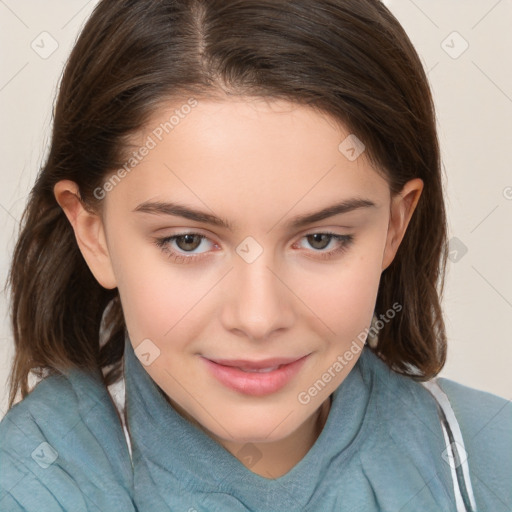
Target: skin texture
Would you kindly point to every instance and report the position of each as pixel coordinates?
(257, 164)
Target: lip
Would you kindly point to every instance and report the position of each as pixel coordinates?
(255, 384)
(255, 365)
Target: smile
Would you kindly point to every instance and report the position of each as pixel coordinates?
(255, 378)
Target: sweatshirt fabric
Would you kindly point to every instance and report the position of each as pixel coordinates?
(382, 449)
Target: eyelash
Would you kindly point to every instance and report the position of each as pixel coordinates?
(344, 241)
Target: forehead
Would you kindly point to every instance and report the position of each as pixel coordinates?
(248, 152)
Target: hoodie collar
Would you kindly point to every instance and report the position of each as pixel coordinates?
(162, 438)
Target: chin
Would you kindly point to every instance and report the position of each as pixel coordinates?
(255, 431)
(252, 438)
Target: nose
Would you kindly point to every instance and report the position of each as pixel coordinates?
(257, 301)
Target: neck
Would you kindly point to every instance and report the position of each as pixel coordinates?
(277, 457)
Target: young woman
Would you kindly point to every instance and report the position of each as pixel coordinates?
(229, 273)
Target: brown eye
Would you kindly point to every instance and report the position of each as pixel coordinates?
(319, 240)
(180, 248)
(188, 242)
(319, 244)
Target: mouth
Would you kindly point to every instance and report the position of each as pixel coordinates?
(265, 365)
(256, 378)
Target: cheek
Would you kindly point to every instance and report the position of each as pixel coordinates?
(155, 294)
(157, 306)
(347, 303)
(344, 298)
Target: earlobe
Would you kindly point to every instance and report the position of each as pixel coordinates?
(89, 232)
(401, 211)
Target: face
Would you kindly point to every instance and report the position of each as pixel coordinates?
(252, 277)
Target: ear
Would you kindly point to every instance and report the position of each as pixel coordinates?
(401, 210)
(89, 232)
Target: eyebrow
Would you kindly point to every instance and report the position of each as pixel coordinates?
(180, 210)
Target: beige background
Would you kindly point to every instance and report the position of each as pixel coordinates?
(466, 48)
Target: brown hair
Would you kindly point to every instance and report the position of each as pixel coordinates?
(350, 59)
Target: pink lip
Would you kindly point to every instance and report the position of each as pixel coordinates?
(255, 384)
(255, 365)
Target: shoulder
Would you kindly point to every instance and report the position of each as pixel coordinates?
(485, 419)
(409, 413)
(479, 412)
(62, 448)
(485, 422)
